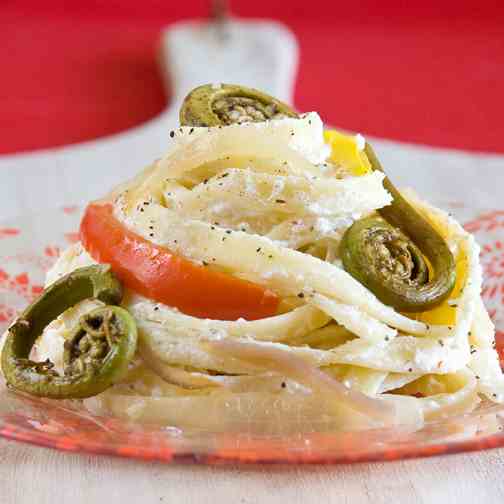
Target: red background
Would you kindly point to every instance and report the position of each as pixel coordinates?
(429, 72)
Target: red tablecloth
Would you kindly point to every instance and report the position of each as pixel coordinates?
(426, 73)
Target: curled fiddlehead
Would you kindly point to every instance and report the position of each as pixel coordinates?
(389, 254)
(97, 352)
(226, 104)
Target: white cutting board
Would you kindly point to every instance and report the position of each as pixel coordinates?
(260, 54)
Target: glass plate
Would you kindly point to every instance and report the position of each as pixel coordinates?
(28, 247)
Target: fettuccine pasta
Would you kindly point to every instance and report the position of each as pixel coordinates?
(264, 206)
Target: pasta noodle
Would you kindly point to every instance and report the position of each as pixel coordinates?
(263, 202)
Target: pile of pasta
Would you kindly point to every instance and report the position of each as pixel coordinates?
(269, 202)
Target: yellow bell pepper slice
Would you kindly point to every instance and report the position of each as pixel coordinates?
(444, 314)
(345, 152)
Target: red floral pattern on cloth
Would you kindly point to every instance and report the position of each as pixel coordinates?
(72, 238)
(8, 232)
(52, 251)
(488, 229)
(22, 286)
(70, 210)
(492, 259)
(7, 313)
(490, 221)
(65, 426)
